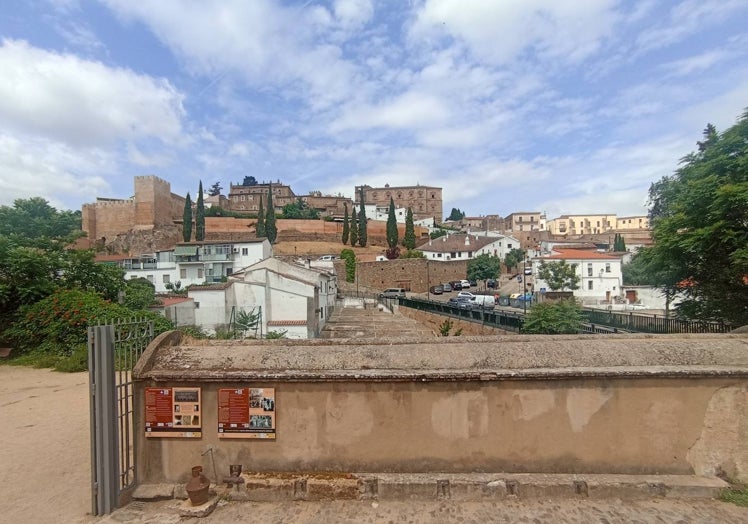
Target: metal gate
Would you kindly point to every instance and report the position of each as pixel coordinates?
(113, 351)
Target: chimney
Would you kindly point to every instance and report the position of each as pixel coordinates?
(308, 263)
(467, 240)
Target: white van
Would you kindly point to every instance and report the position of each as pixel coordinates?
(326, 258)
(485, 301)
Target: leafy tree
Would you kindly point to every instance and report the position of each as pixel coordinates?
(247, 321)
(34, 218)
(412, 253)
(200, 215)
(271, 230)
(409, 239)
(300, 210)
(642, 271)
(551, 318)
(392, 233)
(346, 225)
(483, 267)
(456, 215)
(350, 263)
(249, 181)
(260, 227)
(215, 189)
(559, 275)
(619, 244)
(354, 227)
(362, 222)
(187, 219)
(176, 288)
(139, 294)
(514, 257)
(439, 232)
(699, 219)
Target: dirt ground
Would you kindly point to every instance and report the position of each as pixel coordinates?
(45, 473)
(324, 248)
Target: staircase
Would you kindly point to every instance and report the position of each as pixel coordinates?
(370, 320)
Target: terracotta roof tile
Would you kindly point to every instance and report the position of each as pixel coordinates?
(287, 323)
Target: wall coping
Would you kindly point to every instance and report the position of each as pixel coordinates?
(485, 358)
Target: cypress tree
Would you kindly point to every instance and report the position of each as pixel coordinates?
(409, 239)
(187, 219)
(362, 236)
(200, 215)
(354, 228)
(346, 225)
(392, 234)
(271, 231)
(260, 227)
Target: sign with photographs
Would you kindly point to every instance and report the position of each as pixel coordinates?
(246, 413)
(173, 412)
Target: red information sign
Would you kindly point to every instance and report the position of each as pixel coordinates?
(173, 412)
(246, 413)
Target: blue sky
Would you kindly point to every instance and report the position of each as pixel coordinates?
(509, 105)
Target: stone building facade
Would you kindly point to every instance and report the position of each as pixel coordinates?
(247, 198)
(424, 201)
(152, 206)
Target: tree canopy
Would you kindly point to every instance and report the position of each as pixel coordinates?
(699, 220)
(260, 227)
(200, 215)
(483, 267)
(354, 228)
(34, 218)
(559, 275)
(187, 219)
(346, 225)
(362, 222)
(550, 318)
(299, 210)
(215, 189)
(271, 230)
(249, 181)
(514, 257)
(456, 214)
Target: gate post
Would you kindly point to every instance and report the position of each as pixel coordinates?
(104, 448)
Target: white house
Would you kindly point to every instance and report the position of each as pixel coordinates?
(196, 262)
(461, 246)
(288, 297)
(600, 277)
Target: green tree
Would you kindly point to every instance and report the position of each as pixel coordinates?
(260, 227)
(200, 215)
(483, 267)
(551, 318)
(456, 215)
(34, 218)
(412, 253)
(559, 275)
(619, 244)
(514, 258)
(299, 210)
(354, 227)
(215, 189)
(346, 225)
(642, 271)
(271, 230)
(409, 239)
(699, 219)
(362, 222)
(249, 181)
(139, 294)
(187, 219)
(439, 232)
(392, 233)
(350, 263)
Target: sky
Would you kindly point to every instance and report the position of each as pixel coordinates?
(562, 107)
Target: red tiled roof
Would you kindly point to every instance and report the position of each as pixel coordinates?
(170, 301)
(211, 287)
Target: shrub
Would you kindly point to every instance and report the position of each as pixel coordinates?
(553, 318)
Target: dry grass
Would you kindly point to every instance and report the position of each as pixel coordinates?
(322, 248)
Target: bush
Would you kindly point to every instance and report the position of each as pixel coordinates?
(350, 264)
(554, 318)
(58, 324)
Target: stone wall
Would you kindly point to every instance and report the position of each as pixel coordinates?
(108, 218)
(412, 274)
(464, 327)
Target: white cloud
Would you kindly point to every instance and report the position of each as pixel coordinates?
(81, 102)
(500, 32)
(408, 111)
(353, 14)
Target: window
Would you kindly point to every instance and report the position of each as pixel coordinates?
(452, 254)
(589, 270)
(607, 267)
(183, 273)
(589, 284)
(470, 254)
(166, 279)
(199, 272)
(245, 251)
(322, 312)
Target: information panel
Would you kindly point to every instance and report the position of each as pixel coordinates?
(173, 412)
(246, 413)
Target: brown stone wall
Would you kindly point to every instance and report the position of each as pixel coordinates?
(153, 203)
(110, 218)
(424, 201)
(412, 274)
(464, 327)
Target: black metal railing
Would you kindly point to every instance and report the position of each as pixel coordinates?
(642, 323)
(505, 320)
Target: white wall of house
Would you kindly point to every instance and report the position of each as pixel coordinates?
(212, 305)
(599, 279)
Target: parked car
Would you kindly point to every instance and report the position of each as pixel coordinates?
(461, 302)
(473, 283)
(466, 294)
(528, 271)
(465, 284)
(456, 285)
(326, 258)
(437, 290)
(447, 287)
(485, 301)
(393, 292)
(490, 283)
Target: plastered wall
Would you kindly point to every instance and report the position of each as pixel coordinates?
(593, 425)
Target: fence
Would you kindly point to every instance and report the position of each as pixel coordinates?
(505, 320)
(113, 351)
(652, 323)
